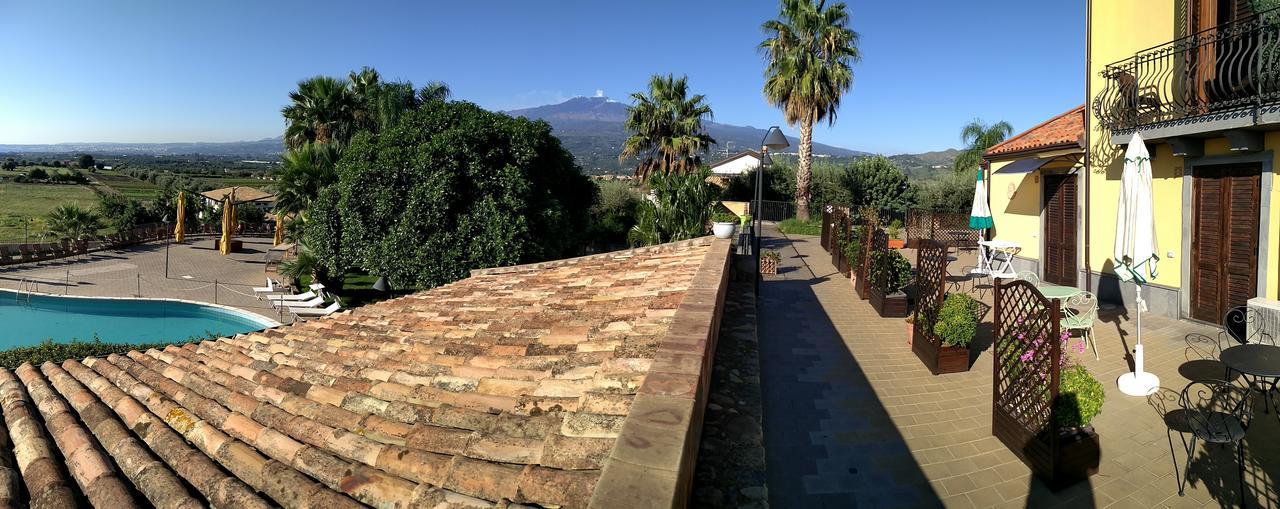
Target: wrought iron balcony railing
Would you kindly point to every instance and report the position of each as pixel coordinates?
(1230, 67)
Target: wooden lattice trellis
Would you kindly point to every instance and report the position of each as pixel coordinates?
(1028, 363)
(931, 279)
(949, 228)
(873, 238)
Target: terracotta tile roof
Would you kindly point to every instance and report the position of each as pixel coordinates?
(1058, 132)
(510, 387)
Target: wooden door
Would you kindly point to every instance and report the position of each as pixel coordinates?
(1224, 246)
(1060, 229)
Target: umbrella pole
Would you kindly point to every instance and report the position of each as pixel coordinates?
(1139, 382)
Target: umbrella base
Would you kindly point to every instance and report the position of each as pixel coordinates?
(1138, 384)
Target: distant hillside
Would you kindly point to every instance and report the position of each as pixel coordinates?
(267, 147)
(926, 165)
(591, 128)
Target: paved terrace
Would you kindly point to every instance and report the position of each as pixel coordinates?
(193, 268)
(853, 419)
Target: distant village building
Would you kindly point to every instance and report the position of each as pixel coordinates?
(736, 164)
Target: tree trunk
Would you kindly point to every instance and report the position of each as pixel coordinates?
(803, 173)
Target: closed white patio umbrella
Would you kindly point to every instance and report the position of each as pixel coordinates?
(1136, 250)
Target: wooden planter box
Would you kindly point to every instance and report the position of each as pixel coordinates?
(889, 306)
(861, 287)
(940, 359)
(1072, 459)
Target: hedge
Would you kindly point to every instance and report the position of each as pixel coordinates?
(50, 351)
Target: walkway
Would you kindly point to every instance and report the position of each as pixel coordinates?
(193, 268)
(853, 419)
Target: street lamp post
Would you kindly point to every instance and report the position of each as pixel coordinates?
(773, 140)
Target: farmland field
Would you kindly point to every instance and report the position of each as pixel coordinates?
(23, 202)
(221, 182)
(127, 185)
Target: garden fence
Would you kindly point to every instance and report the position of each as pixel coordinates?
(36, 252)
(949, 228)
(931, 279)
(770, 210)
(1028, 356)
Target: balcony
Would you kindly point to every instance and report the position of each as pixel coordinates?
(1219, 79)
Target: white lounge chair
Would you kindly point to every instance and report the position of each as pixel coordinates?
(314, 312)
(310, 303)
(273, 286)
(296, 297)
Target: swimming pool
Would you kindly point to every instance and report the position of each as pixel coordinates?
(27, 320)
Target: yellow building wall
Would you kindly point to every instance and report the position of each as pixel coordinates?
(1114, 38)
(1017, 217)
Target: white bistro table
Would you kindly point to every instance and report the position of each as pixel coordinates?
(995, 258)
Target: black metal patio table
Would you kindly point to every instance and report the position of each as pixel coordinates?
(1261, 362)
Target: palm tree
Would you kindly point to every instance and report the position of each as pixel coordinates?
(304, 264)
(666, 127)
(978, 137)
(73, 223)
(305, 171)
(323, 110)
(810, 52)
(434, 91)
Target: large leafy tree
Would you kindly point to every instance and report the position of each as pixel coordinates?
(666, 127)
(73, 223)
(878, 183)
(810, 51)
(322, 110)
(979, 136)
(448, 188)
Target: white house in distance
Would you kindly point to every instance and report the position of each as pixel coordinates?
(736, 164)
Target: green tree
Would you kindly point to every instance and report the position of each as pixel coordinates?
(304, 172)
(666, 127)
(321, 110)
(877, 182)
(450, 187)
(434, 91)
(37, 174)
(810, 52)
(73, 223)
(978, 137)
(9, 164)
(681, 208)
(613, 215)
(948, 193)
(85, 161)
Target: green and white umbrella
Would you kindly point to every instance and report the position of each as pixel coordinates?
(980, 214)
(1136, 249)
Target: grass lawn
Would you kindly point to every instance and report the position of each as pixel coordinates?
(127, 185)
(795, 226)
(35, 201)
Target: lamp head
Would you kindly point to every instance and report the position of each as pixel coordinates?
(381, 285)
(774, 140)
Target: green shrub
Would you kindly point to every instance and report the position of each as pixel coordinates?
(724, 217)
(895, 228)
(890, 271)
(795, 226)
(957, 320)
(680, 210)
(1080, 398)
(851, 246)
(771, 255)
(49, 351)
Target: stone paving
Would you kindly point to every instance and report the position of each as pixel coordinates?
(853, 419)
(193, 268)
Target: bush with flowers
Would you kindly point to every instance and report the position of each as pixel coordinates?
(1080, 394)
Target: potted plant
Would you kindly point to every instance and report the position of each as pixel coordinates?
(769, 261)
(955, 328)
(890, 272)
(895, 235)
(723, 223)
(1080, 398)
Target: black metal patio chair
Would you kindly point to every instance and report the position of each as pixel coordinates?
(1216, 412)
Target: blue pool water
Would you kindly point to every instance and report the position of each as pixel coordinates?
(113, 320)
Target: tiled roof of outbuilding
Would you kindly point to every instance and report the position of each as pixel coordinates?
(1061, 131)
(506, 388)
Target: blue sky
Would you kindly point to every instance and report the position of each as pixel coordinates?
(144, 71)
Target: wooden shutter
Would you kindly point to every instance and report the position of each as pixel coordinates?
(1225, 247)
(1060, 229)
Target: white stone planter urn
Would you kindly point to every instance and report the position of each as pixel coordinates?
(723, 230)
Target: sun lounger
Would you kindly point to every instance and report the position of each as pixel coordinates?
(314, 312)
(309, 303)
(272, 287)
(296, 297)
